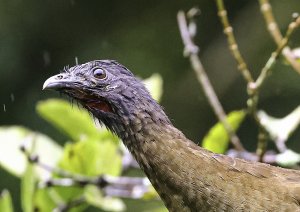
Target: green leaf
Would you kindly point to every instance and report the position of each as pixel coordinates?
(43, 200)
(75, 122)
(155, 86)
(92, 158)
(48, 199)
(151, 194)
(6, 202)
(14, 161)
(28, 188)
(94, 197)
(217, 139)
(159, 209)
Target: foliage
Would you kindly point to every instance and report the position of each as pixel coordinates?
(14, 161)
(5, 202)
(217, 139)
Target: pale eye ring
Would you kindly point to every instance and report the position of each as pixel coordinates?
(99, 73)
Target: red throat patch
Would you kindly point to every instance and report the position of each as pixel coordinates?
(103, 106)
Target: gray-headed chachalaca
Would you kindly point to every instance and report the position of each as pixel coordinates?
(187, 177)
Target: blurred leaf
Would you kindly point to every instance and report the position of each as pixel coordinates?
(92, 157)
(288, 158)
(94, 197)
(155, 86)
(151, 194)
(75, 122)
(28, 188)
(280, 129)
(5, 202)
(14, 161)
(43, 200)
(217, 138)
(159, 209)
(48, 199)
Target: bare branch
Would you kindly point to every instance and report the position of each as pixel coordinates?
(284, 41)
(191, 51)
(233, 46)
(272, 26)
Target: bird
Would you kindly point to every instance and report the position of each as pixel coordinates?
(186, 176)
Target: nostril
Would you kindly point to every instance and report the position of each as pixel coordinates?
(59, 76)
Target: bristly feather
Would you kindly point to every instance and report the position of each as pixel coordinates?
(66, 69)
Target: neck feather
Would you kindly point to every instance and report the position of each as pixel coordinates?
(161, 150)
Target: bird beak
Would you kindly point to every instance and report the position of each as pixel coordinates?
(59, 81)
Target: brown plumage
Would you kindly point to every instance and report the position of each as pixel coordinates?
(187, 177)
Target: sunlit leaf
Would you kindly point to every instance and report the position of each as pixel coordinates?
(14, 161)
(43, 200)
(6, 202)
(280, 128)
(92, 157)
(94, 197)
(75, 122)
(159, 209)
(217, 139)
(155, 86)
(151, 194)
(53, 198)
(28, 188)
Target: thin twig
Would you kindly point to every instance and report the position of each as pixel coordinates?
(269, 64)
(283, 42)
(272, 26)
(253, 90)
(262, 144)
(191, 50)
(233, 46)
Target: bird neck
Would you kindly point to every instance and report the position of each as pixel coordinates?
(165, 155)
(144, 128)
(163, 152)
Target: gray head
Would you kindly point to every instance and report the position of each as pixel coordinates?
(111, 93)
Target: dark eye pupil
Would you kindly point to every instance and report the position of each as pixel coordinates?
(99, 73)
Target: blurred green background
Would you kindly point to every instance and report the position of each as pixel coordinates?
(39, 37)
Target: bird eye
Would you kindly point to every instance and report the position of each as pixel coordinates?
(99, 73)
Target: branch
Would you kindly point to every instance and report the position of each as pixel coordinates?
(272, 26)
(191, 51)
(233, 46)
(283, 43)
(254, 88)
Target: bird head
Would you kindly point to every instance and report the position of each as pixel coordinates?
(110, 92)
